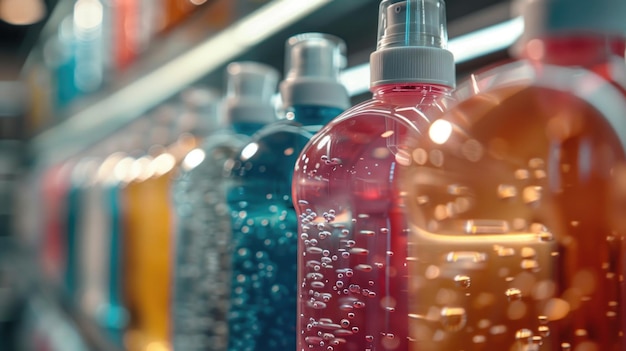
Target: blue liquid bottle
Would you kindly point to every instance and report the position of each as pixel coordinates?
(264, 287)
(202, 239)
(352, 234)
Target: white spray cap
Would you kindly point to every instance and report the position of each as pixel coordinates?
(412, 41)
(250, 88)
(313, 63)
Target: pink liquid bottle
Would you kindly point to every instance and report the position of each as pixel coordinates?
(516, 198)
(352, 285)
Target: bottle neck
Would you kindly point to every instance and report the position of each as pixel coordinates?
(409, 92)
(308, 115)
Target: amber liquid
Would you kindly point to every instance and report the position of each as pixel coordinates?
(146, 247)
(514, 242)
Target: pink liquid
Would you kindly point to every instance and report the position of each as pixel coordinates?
(352, 233)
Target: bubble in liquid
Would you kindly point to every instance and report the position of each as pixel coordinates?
(314, 250)
(513, 294)
(462, 281)
(304, 236)
(505, 251)
(566, 346)
(537, 340)
(506, 191)
(339, 284)
(453, 318)
(345, 232)
(355, 329)
(363, 267)
(544, 330)
(367, 232)
(313, 340)
(531, 194)
(345, 254)
(358, 304)
(350, 243)
(317, 285)
(325, 234)
(530, 265)
(543, 319)
(384, 230)
(422, 200)
(349, 273)
(359, 251)
(334, 257)
(479, 339)
(315, 276)
(524, 336)
(354, 288)
(528, 252)
(345, 323)
(521, 174)
(369, 338)
(326, 253)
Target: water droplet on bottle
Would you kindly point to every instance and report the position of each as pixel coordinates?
(371, 283)
(313, 340)
(314, 250)
(513, 294)
(345, 232)
(350, 243)
(313, 242)
(506, 191)
(354, 288)
(355, 329)
(544, 330)
(369, 338)
(345, 254)
(453, 318)
(345, 323)
(349, 273)
(304, 236)
(350, 315)
(358, 304)
(339, 284)
(324, 234)
(463, 281)
(317, 285)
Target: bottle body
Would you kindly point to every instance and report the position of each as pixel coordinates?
(263, 293)
(202, 244)
(514, 241)
(352, 233)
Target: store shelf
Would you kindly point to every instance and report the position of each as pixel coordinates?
(193, 53)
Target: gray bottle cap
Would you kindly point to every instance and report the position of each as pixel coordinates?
(412, 41)
(250, 89)
(313, 63)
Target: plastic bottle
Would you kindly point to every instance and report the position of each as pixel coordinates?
(517, 234)
(352, 232)
(201, 271)
(264, 287)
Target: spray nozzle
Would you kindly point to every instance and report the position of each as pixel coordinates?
(414, 23)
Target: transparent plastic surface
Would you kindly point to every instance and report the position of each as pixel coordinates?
(412, 23)
(516, 215)
(264, 256)
(352, 233)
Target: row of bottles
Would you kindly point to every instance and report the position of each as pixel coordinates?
(99, 41)
(487, 215)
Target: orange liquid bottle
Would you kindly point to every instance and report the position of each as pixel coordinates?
(513, 199)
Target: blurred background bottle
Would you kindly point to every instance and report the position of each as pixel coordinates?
(202, 233)
(264, 292)
(512, 196)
